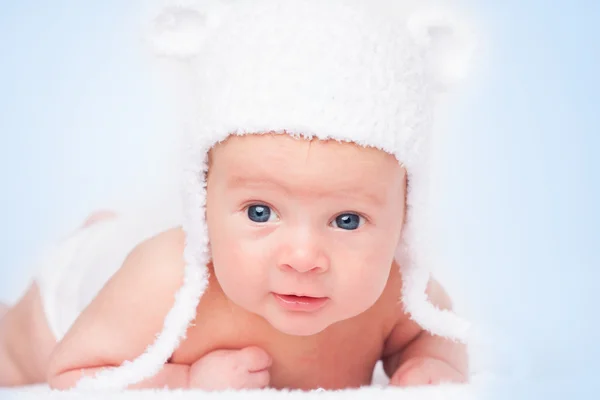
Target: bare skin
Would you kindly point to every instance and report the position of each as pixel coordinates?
(226, 347)
(241, 336)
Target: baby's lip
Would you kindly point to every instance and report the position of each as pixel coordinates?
(300, 294)
(294, 302)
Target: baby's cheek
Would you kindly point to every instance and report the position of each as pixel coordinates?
(361, 284)
(375, 277)
(375, 272)
(240, 272)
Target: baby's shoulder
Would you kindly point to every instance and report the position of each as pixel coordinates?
(157, 260)
(166, 246)
(129, 311)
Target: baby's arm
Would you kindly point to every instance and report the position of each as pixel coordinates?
(412, 356)
(125, 317)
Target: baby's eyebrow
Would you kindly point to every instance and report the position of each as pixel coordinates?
(356, 191)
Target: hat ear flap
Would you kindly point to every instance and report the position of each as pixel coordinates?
(447, 40)
(179, 29)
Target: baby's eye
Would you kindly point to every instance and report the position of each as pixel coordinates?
(260, 213)
(348, 221)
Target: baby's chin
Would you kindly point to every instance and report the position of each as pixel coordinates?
(298, 327)
(300, 323)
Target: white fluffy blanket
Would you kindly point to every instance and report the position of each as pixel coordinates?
(424, 393)
(379, 390)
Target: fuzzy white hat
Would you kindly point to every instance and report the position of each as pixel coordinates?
(361, 71)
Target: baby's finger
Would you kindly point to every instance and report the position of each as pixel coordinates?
(257, 380)
(411, 377)
(255, 359)
(426, 371)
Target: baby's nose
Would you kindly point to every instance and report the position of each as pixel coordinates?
(305, 258)
(302, 268)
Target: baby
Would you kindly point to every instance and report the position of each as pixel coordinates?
(297, 261)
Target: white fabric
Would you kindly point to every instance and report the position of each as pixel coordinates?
(361, 71)
(446, 392)
(379, 389)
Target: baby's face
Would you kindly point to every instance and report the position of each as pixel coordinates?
(302, 232)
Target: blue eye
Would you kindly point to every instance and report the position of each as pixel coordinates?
(259, 213)
(348, 221)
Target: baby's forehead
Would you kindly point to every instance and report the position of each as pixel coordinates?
(311, 165)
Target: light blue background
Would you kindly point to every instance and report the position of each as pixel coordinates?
(81, 120)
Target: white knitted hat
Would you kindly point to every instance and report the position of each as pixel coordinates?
(361, 71)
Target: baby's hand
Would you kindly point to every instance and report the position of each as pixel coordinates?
(426, 371)
(247, 368)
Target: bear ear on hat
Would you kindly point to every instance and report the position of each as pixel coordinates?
(179, 28)
(448, 41)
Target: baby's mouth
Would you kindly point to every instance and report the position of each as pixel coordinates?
(293, 302)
